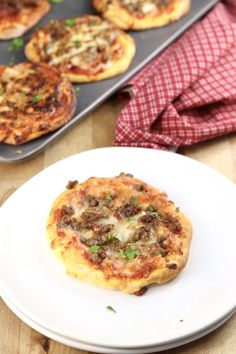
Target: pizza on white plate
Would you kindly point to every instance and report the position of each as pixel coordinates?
(84, 49)
(142, 14)
(18, 16)
(34, 100)
(119, 233)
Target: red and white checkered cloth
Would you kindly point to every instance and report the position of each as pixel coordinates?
(188, 93)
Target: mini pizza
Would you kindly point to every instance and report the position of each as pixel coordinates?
(84, 49)
(34, 100)
(142, 14)
(119, 233)
(18, 16)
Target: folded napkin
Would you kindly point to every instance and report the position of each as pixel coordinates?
(188, 93)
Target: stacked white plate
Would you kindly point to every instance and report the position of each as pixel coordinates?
(35, 287)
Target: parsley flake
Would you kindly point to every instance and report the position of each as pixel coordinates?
(37, 98)
(16, 44)
(122, 254)
(131, 254)
(77, 43)
(110, 308)
(94, 248)
(108, 198)
(19, 152)
(69, 22)
(133, 200)
(150, 209)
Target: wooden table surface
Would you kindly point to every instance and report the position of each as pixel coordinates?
(97, 130)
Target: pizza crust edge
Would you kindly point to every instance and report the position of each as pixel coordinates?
(126, 21)
(9, 30)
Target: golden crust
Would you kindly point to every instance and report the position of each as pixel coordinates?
(140, 249)
(109, 62)
(16, 24)
(126, 20)
(34, 101)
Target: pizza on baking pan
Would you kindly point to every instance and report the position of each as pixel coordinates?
(84, 49)
(34, 100)
(119, 233)
(18, 16)
(142, 14)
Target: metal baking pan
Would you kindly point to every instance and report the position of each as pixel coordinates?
(149, 44)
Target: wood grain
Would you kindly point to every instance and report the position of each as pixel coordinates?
(97, 130)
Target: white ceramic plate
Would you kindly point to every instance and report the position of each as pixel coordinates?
(202, 295)
(106, 350)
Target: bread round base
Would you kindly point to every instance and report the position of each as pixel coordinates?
(105, 239)
(124, 20)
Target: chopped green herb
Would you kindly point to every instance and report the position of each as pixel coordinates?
(109, 237)
(110, 308)
(56, 1)
(154, 214)
(118, 235)
(133, 200)
(69, 22)
(108, 198)
(1, 91)
(19, 152)
(130, 218)
(77, 43)
(122, 254)
(37, 98)
(131, 254)
(94, 248)
(150, 209)
(16, 44)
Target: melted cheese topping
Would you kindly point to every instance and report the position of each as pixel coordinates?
(87, 43)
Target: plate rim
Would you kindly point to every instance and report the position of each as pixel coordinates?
(152, 152)
(106, 350)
